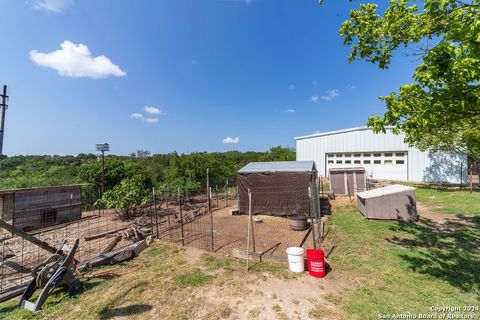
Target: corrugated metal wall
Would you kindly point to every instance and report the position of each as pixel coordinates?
(422, 166)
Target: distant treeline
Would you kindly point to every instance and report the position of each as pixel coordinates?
(159, 170)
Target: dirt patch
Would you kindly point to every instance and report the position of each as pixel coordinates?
(249, 296)
(447, 220)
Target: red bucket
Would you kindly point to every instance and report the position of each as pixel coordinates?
(316, 262)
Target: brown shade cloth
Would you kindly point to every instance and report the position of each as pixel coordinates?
(275, 193)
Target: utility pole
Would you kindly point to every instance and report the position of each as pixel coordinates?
(103, 147)
(4, 107)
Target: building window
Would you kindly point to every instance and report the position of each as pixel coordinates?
(388, 154)
(366, 155)
(377, 161)
(388, 162)
(330, 161)
(347, 155)
(400, 154)
(357, 155)
(339, 155)
(400, 162)
(330, 155)
(377, 155)
(338, 162)
(348, 161)
(357, 161)
(366, 161)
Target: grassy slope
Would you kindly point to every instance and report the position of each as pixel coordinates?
(384, 267)
(450, 200)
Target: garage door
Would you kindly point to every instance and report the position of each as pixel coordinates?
(391, 165)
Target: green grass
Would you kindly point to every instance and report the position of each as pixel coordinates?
(382, 266)
(194, 278)
(449, 200)
(396, 267)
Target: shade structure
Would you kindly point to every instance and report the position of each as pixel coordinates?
(395, 202)
(278, 188)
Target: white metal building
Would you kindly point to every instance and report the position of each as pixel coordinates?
(384, 156)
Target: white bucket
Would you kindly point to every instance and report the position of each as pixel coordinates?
(295, 259)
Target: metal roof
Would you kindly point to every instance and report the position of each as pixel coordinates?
(279, 166)
(394, 188)
(321, 134)
(44, 188)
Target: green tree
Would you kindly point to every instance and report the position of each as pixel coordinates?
(127, 198)
(440, 110)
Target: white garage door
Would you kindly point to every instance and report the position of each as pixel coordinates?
(391, 165)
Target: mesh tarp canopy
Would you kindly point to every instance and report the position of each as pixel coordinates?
(278, 193)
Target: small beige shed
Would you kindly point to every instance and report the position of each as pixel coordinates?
(395, 202)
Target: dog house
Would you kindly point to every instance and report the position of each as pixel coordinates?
(278, 188)
(395, 202)
(32, 208)
(347, 181)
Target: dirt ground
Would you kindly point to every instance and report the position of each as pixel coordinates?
(446, 220)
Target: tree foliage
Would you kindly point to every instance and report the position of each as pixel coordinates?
(164, 171)
(127, 198)
(440, 110)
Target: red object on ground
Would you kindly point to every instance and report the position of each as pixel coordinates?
(316, 262)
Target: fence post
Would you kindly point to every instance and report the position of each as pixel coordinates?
(168, 216)
(181, 217)
(248, 226)
(216, 194)
(226, 193)
(311, 217)
(155, 210)
(211, 218)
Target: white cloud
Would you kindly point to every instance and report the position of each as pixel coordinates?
(55, 6)
(136, 116)
(139, 116)
(314, 99)
(151, 120)
(229, 140)
(351, 86)
(291, 87)
(330, 95)
(76, 61)
(291, 110)
(152, 110)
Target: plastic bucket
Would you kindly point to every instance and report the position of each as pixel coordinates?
(316, 262)
(295, 259)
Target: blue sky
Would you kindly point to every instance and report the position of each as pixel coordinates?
(259, 72)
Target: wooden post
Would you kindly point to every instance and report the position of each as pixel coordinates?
(211, 219)
(181, 217)
(216, 193)
(155, 211)
(249, 225)
(226, 193)
(26, 236)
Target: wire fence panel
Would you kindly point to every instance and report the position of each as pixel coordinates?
(181, 219)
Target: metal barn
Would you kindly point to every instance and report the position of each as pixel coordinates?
(278, 188)
(384, 156)
(32, 208)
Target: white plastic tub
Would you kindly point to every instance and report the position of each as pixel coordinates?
(295, 259)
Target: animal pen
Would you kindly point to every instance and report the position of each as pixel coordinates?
(194, 220)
